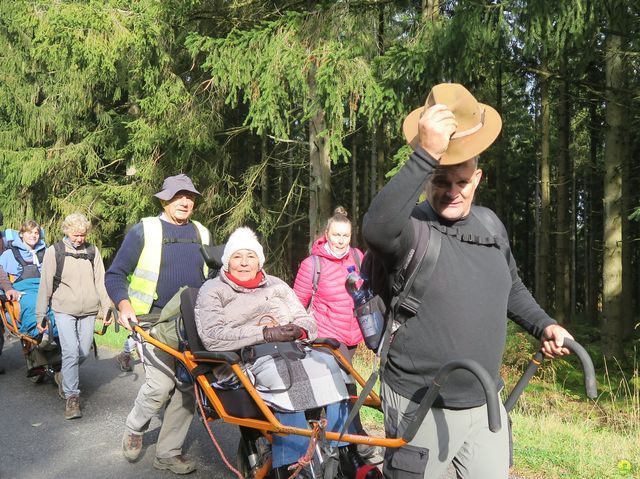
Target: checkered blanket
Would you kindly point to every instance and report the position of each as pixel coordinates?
(313, 381)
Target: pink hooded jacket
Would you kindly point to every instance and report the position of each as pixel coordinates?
(332, 305)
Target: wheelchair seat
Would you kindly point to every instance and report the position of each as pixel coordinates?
(237, 402)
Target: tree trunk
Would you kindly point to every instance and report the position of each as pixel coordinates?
(355, 214)
(364, 180)
(628, 320)
(377, 162)
(320, 162)
(289, 211)
(563, 209)
(542, 263)
(500, 189)
(373, 167)
(429, 9)
(380, 159)
(594, 216)
(613, 153)
(264, 177)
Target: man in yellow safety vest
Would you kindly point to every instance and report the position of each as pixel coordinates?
(158, 256)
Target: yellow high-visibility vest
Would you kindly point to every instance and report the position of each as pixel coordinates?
(144, 279)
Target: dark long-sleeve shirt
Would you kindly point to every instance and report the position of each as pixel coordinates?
(465, 304)
(181, 262)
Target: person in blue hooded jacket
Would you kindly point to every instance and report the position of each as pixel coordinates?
(22, 261)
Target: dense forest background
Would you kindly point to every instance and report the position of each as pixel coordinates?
(282, 110)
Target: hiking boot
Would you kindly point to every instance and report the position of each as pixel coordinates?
(131, 446)
(124, 361)
(72, 408)
(57, 377)
(176, 464)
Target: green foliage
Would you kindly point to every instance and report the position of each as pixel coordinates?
(92, 96)
(268, 69)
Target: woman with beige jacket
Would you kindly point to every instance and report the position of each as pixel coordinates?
(72, 283)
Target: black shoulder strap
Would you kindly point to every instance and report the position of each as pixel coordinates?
(315, 279)
(420, 264)
(91, 253)
(197, 240)
(181, 240)
(357, 259)
(61, 255)
(17, 255)
(489, 222)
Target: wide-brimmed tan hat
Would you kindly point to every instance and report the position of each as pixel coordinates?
(478, 124)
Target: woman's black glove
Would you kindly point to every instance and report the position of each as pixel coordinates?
(286, 332)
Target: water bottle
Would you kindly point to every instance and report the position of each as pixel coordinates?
(366, 311)
(355, 285)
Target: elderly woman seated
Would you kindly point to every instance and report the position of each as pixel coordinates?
(242, 307)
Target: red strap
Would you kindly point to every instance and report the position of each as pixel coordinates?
(362, 471)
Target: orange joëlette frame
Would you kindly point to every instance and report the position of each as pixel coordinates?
(11, 309)
(270, 423)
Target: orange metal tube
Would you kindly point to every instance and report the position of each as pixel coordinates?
(270, 423)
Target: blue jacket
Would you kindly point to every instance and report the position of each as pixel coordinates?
(9, 262)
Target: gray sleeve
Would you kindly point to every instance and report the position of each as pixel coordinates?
(217, 331)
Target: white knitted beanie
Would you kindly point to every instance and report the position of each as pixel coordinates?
(242, 238)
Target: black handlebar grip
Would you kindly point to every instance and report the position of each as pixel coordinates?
(533, 366)
(491, 395)
(588, 370)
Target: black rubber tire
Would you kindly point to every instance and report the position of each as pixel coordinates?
(242, 461)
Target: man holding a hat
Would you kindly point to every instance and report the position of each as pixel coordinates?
(463, 295)
(157, 257)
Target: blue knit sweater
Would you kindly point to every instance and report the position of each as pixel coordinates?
(181, 263)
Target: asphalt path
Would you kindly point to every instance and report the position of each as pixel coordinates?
(36, 442)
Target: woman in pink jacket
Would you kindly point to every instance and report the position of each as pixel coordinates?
(331, 305)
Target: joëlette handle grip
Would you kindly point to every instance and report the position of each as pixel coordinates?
(490, 392)
(588, 370)
(103, 331)
(114, 313)
(43, 324)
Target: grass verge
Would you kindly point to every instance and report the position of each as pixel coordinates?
(558, 432)
(557, 446)
(111, 339)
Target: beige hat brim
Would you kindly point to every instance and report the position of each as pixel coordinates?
(459, 149)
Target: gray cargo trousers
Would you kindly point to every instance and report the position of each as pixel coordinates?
(447, 436)
(158, 390)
